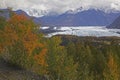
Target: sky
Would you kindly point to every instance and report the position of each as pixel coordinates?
(59, 6)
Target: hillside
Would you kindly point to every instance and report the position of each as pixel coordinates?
(23, 51)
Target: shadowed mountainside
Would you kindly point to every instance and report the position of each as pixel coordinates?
(115, 24)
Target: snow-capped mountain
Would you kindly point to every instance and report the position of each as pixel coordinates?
(75, 11)
(90, 17)
(36, 13)
(78, 17)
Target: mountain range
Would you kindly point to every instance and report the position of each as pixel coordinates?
(90, 17)
(85, 18)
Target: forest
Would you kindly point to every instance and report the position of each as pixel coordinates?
(61, 57)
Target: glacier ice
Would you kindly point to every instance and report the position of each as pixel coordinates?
(85, 31)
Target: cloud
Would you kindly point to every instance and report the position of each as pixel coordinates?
(59, 6)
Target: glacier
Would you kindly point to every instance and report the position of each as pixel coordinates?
(97, 31)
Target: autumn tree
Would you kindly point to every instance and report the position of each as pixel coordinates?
(22, 42)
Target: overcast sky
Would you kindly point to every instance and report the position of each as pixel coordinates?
(60, 6)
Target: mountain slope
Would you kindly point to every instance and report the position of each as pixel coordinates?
(85, 18)
(115, 24)
(6, 13)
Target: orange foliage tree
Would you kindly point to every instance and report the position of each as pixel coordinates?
(22, 42)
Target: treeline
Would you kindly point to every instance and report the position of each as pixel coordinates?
(97, 58)
(59, 57)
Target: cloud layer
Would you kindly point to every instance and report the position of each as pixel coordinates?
(59, 6)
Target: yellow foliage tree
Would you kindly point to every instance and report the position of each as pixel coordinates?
(112, 70)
